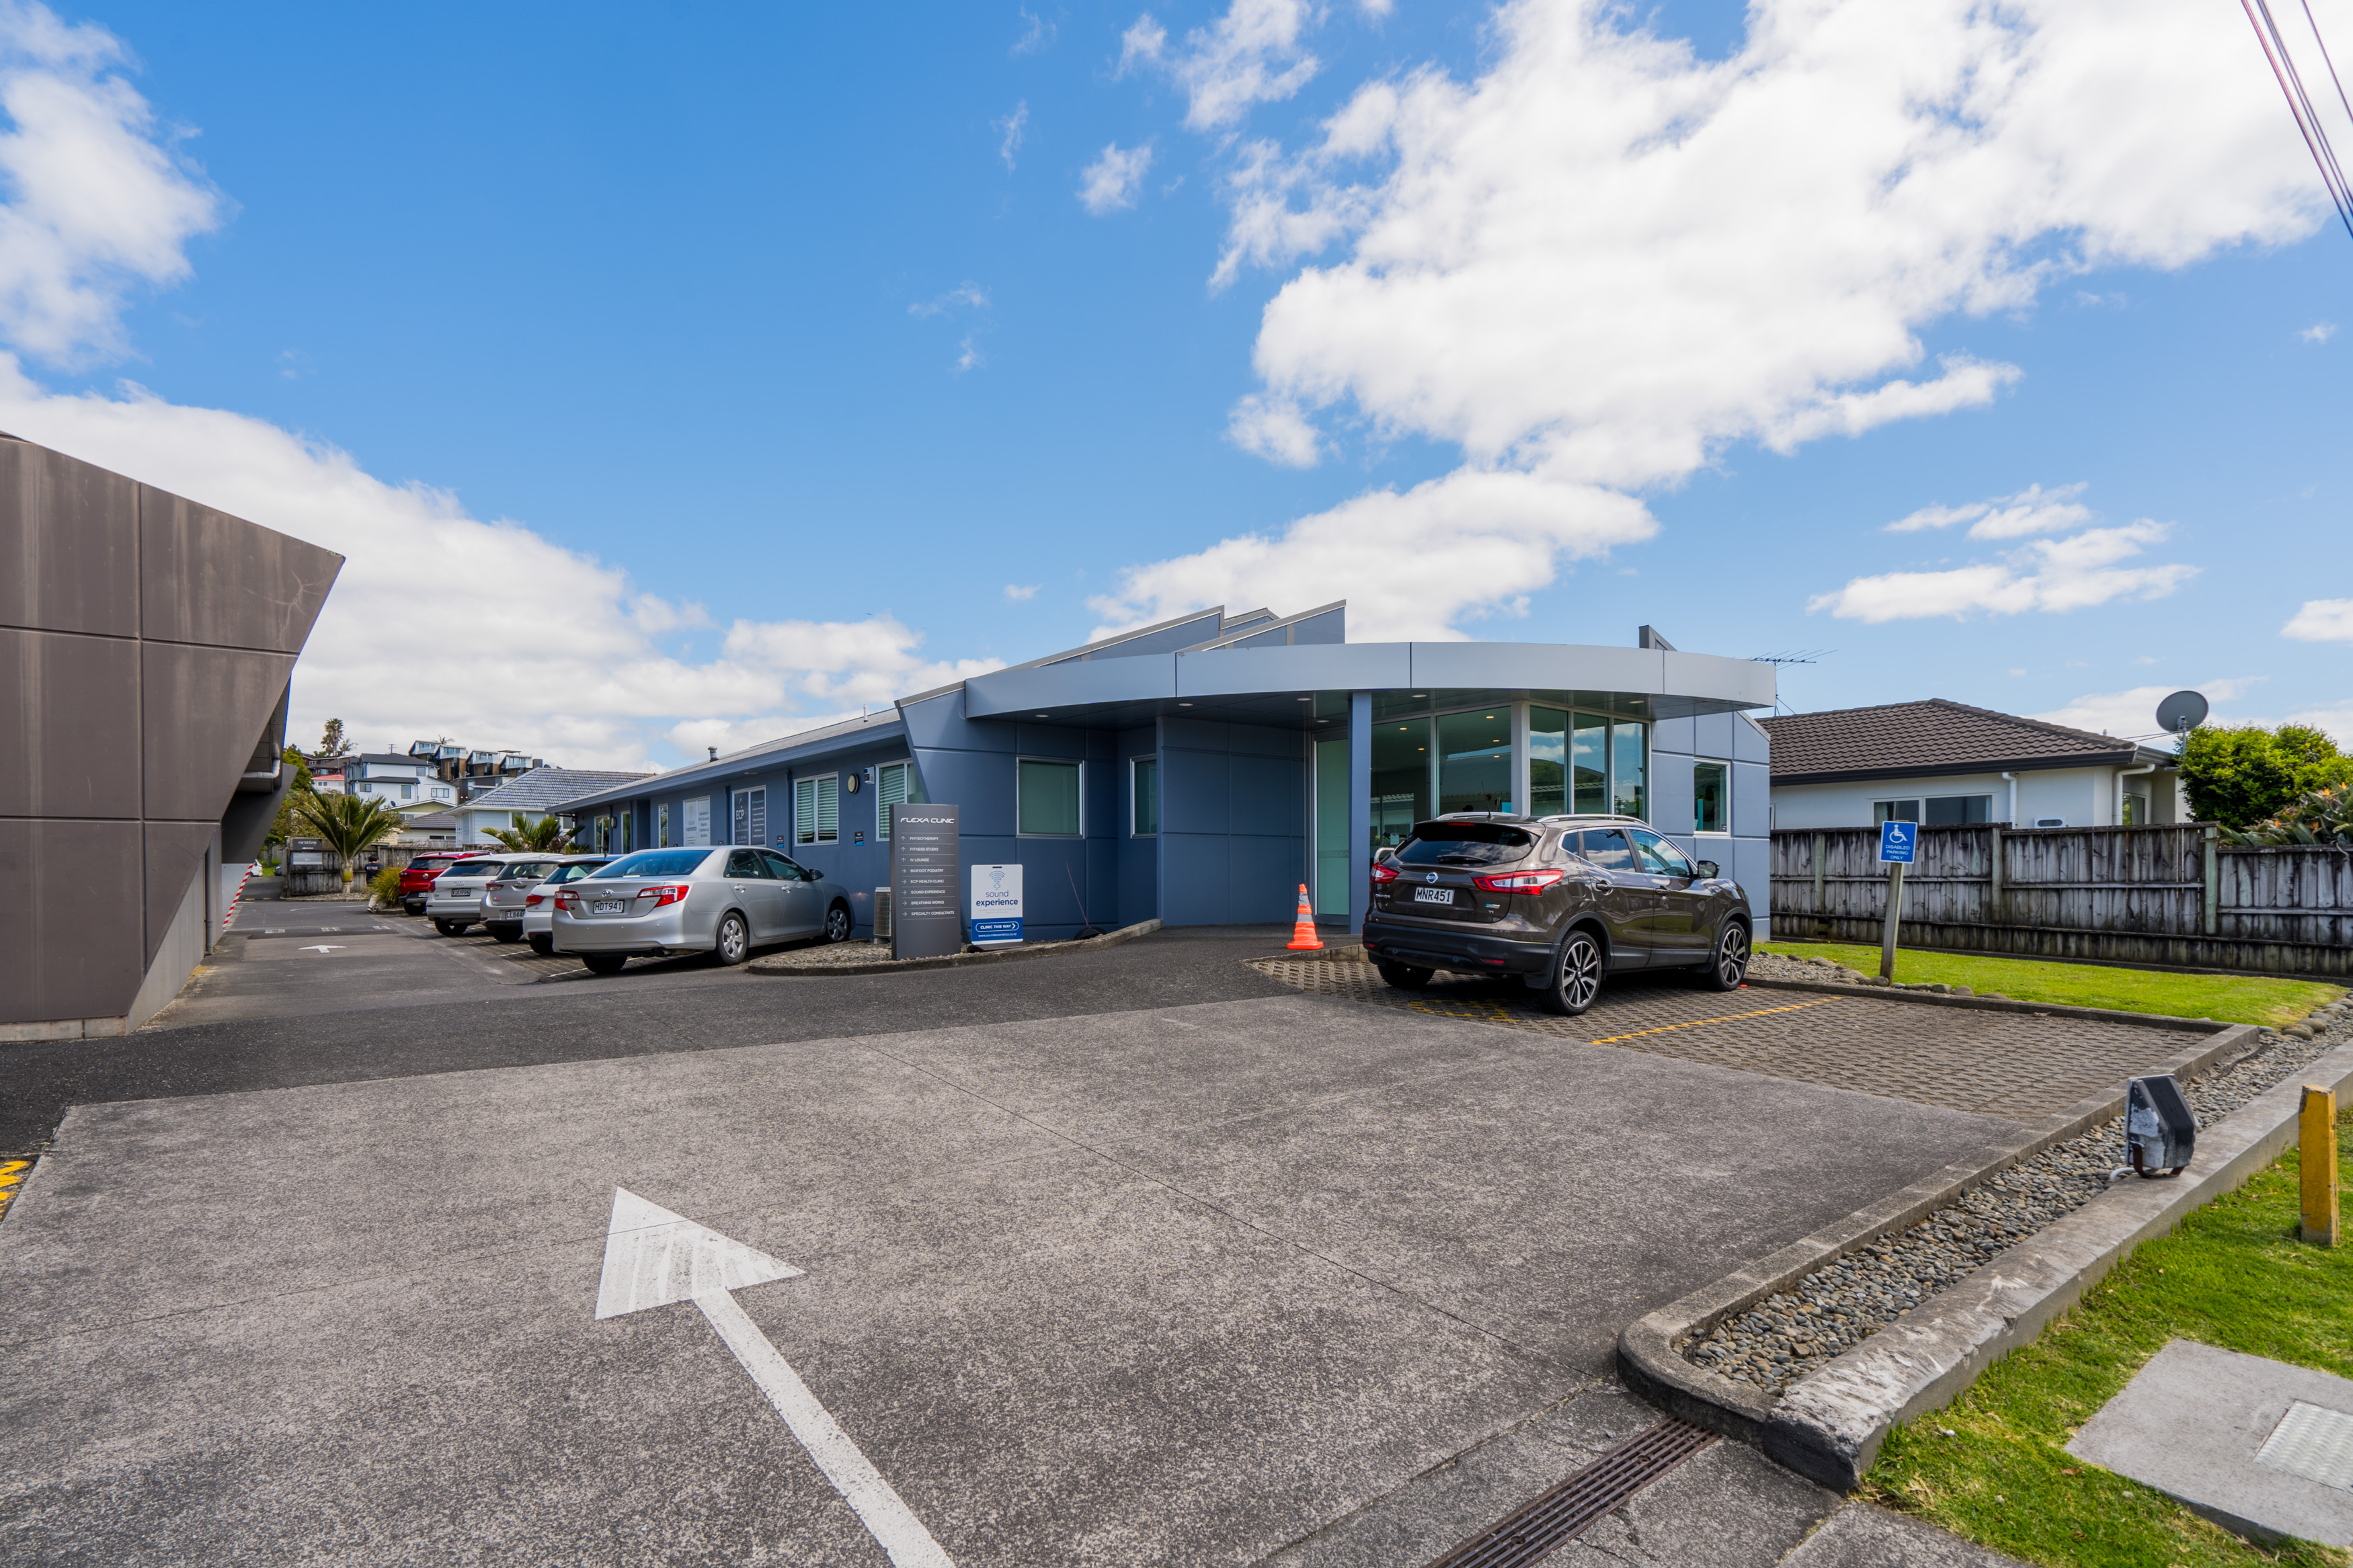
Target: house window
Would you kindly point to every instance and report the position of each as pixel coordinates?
(1146, 772)
(1710, 798)
(895, 784)
(2136, 810)
(408, 791)
(749, 816)
(1957, 810)
(816, 810)
(1048, 803)
(1895, 811)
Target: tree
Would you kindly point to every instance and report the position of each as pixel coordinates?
(545, 837)
(281, 827)
(330, 740)
(345, 824)
(2241, 774)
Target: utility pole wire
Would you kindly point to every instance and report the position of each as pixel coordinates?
(2299, 105)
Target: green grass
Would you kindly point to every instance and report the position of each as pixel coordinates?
(2231, 998)
(2235, 1276)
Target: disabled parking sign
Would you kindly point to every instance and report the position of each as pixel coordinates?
(1896, 841)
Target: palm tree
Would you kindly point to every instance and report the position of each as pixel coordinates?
(346, 824)
(545, 837)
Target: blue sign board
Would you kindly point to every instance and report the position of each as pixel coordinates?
(1896, 841)
(997, 930)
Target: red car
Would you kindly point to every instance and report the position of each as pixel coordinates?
(417, 877)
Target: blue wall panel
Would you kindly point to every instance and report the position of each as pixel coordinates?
(1233, 822)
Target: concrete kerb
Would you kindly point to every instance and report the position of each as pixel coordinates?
(960, 960)
(1653, 1366)
(1987, 1004)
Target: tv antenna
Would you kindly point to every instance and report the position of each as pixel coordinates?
(1795, 655)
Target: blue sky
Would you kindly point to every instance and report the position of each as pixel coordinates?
(776, 317)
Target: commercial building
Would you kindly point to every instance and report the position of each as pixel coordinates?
(1199, 771)
(146, 644)
(1948, 764)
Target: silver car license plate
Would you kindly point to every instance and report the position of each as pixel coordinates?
(1433, 895)
(606, 907)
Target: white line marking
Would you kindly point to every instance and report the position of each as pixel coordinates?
(323, 947)
(654, 1258)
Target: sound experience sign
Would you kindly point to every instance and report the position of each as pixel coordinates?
(996, 906)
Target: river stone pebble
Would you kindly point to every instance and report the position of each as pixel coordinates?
(1786, 1335)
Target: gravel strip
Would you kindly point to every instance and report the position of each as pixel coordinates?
(1789, 1334)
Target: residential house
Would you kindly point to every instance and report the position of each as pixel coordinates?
(470, 771)
(522, 801)
(1946, 763)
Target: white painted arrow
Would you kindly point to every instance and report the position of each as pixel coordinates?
(653, 1258)
(323, 947)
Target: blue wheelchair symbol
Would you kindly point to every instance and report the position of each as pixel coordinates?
(1897, 840)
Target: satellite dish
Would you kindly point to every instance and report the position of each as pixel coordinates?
(2182, 711)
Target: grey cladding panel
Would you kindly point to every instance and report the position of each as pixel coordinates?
(68, 744)
(73, 952)
(208, 577)
(202, 709)
(68, 543)
(174, 854)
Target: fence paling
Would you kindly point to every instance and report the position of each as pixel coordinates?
(2167, 894)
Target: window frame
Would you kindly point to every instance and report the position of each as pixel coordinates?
(814, 828)
(883, 803)
(1883, 811)
(1723, 771)
(1136, 794)
(1077, 766)
(746, 793)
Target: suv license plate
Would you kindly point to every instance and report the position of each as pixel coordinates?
(1433, 895)
(606, 907)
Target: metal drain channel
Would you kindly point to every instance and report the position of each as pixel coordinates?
(1566, 1512)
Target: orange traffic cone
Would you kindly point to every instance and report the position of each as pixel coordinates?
(1302, 935)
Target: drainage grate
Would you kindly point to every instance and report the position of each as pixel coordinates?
(1566, 1512)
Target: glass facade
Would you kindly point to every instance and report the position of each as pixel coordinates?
(1400, 779)
(1629, 772)
(1547, 761)
(1331, 827)
(1589, 764)
(1474, 760)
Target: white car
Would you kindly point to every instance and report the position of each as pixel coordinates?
(723, 900)
(539, 902)
(455, 900)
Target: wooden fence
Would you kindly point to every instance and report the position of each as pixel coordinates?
(2166, 896)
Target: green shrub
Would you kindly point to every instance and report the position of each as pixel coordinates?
(2241, 774)
(385, 887)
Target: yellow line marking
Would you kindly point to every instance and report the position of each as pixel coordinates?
(1722, 1018)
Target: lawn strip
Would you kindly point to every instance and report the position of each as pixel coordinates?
(2227, 998)
(1993, 1466)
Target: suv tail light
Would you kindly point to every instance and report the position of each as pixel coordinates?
(532, 901)
(1383, 872)
(1519, 881)
(665, 893)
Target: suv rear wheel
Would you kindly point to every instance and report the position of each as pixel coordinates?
(1404, 976)
(1578, 979)
(1729, 968)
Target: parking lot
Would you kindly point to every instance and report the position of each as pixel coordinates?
(1141, 1255)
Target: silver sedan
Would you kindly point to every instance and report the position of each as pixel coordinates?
(661, 902)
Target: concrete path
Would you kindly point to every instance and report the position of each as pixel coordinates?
(1089, 1278)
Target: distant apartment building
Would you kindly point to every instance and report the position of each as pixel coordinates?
(469, 771)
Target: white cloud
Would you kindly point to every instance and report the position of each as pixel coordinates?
(1249, 55)
(1038, 36)
(2337, 720)
(2051, 574)
(2133, 713)
(1019, 592)
(1477, 540)
(2321, 620)
(2031, 510)
(605, 692)
(969, 354)
(2318, 333)
(1010, 131)
(1112, 181)
(1275, 430)
(95, 203)
(1604, 260)
(966, 295)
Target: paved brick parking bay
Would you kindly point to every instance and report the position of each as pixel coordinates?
(1183, 1283)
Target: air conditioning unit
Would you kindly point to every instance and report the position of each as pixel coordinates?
(881, 914)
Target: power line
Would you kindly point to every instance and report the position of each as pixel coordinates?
(2299, 102)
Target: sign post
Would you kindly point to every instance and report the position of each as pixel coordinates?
(995, 905)
(1897, 840)
(925, 852)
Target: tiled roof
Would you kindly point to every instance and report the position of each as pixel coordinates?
(1931, 737)
(544, 789)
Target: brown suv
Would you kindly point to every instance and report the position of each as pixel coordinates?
(1555, 901)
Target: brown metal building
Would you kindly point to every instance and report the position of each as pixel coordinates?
(146, 644)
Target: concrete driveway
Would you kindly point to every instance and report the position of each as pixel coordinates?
(1094, 1273)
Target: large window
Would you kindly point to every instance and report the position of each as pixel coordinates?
(895, 784)
(1145, 779)
(1935, 810)
(816, 810)
(1710, 798)
(1547, 761)
(1332, 879)
(1049, 799)
(748, 817)
(1589, 765)
(1400, 779)
(1629, 773)
(1474, 760)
